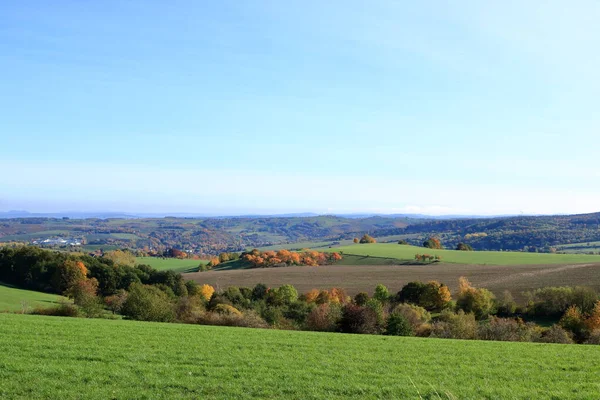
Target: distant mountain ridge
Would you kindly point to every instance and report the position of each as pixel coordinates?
(116, 214)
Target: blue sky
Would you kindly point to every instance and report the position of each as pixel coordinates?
(236, 107)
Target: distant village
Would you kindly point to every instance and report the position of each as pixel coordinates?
(57, 242)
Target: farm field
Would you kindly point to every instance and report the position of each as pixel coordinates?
(579, 247)
(125, 359)
(174, 264)
(405, 252)
(357, 278)
(13, 299)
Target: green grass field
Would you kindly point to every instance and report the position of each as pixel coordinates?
(13, 299)
(403, 252)
(52, 357)
(174, 264)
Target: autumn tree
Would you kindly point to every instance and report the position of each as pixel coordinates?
(464, 247)
(68, 274)
(593, 321)
(83, 293)
(355, 240)
(121, 257)
(115, 302)
(366, 238)
(206, 291)
(310, 297)
(433, 243)
(435, 296)
(477, 301)
(573, 321)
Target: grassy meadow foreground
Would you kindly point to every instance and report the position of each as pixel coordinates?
(62, 358)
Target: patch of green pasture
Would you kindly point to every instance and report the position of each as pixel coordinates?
(405, 252)
(173, 264)
(71, 358)
(13, 299)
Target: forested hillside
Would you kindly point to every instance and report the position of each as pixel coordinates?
(211, 236)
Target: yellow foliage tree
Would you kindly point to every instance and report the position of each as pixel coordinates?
(206, 292)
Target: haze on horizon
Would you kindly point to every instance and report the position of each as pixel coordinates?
(228, 108)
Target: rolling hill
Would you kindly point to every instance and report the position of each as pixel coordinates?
(54, 357)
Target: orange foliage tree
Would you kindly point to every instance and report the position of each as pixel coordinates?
(262, 259)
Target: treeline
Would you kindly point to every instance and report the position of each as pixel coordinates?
(282, 258)
(531, 233)
(100, 287)
(56, 272)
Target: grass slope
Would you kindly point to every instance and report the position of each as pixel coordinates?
(13, 299)
(403, 252)
(174, 264)
(51, 357)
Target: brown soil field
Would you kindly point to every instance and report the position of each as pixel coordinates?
(515, 278)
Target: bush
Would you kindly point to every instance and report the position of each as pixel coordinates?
(411, 293)
(237, 299)
(189, 309)
(594, 337)
(415, 315)
(356, 319)
(367, 239)
(298, 311)
(381, 294)
(574, 322)
(477, 301)
(361, 298)
(507, 306)
(455, 326)
(148, 303)
(584, 298)
(556, 334)
(324, 318)
(398, 325)
(551, 301)
(192, 288)
(286, 294)
(248, 319)
(509, 330)
(259, 292)
(63, 309)
(432, 243)
(206, 292)
(226, 309)
(464, 247)
(115, 302)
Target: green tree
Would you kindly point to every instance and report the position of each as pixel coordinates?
(148, 303)
(382, 294)
(361, 298)
(398, 325)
